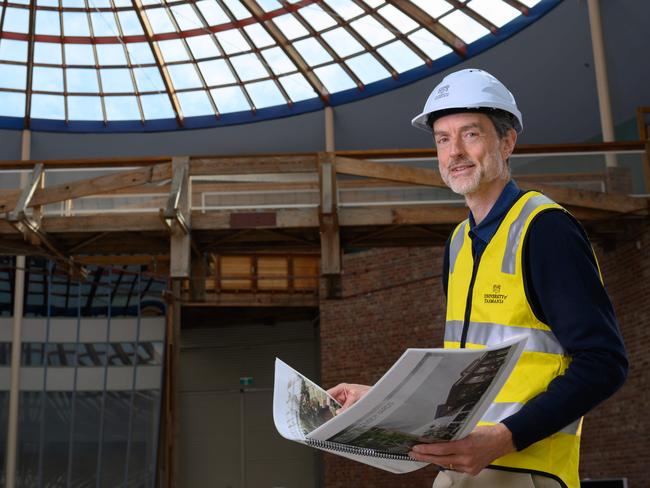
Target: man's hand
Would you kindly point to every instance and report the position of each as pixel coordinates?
(347, 394)
(471, 454)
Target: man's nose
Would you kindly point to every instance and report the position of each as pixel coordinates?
(456, 147)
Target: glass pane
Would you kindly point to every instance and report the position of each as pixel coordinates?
(248, 67)
(184, 76)
(195, 103)
(216, 72)
(342, 42)
(160, 21)
(79, 54)
(345, 8)
(140, 53)
(265, 94)
(56, 429)
(430, 44)
(400, 56)
(82, 80)
(12, 104)
(16, 20)
(29, 435)
(317, 17)
(278, 61)
(230, 99)
(13, 76)
(237, 9)
(116, 81)
(157, 107)
(116, 433)
(435, 8)
(47, 23)
(290, 27)
(75, 24)
(186, 17)
(496, 11)
(148, 79)
(203, 47)
(398, 18)
(85, 443)
(268, 5)
(85, 108)
(297, 87)
(47, 52)
(212, 12)
(104, 24)
(367, 68)
(173, 50)
(11, 50)
(464, 26)
(111, 55)
(47, 79)
(371, 30)
(143, 437)
(121, 108)
(312, 52)
(334, 78)
(130, 23)
(259, 36)
(232, 41)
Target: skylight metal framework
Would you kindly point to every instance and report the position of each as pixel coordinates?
(164, 64)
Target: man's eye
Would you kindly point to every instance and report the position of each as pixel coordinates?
(442, 140)
(471, 135)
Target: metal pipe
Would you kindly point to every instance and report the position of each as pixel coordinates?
(602, 82)
(329, 129)
(16, 345)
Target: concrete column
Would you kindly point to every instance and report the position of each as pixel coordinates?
(602, 82)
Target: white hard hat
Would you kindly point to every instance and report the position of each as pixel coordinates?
(469, 89)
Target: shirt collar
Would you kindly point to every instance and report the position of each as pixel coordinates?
(488, 226)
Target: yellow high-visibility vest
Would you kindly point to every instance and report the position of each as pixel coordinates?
(487, 304)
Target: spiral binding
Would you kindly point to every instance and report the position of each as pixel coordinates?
(361, 451)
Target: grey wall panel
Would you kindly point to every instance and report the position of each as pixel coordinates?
(10, 142)
(302, 133)
(216, 413)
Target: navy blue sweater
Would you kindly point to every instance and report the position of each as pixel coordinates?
(565, 292)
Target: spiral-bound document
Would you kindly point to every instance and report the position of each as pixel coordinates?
(428, 395)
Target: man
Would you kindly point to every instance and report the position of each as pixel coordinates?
(535, 257)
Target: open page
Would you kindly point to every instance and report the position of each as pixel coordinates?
(428, 395)
(299, 405)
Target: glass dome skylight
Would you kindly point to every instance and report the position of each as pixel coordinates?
(92, 65)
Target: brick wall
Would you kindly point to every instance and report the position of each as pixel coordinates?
(393, 299)
(616, 435)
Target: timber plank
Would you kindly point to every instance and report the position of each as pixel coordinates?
(391, 172)
(589, 199)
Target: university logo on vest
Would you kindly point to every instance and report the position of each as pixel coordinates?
(496, 296)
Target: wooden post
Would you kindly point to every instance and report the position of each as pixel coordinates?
(329, 227)
(178, 211)
(171, 439)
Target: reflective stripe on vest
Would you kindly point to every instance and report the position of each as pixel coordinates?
(516, 229)
(456, 244)
(484, 333)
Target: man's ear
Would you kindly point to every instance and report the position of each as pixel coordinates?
(508, 143)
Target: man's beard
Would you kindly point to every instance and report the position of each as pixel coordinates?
(470, 183)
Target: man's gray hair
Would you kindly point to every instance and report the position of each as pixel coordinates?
(501, 120)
